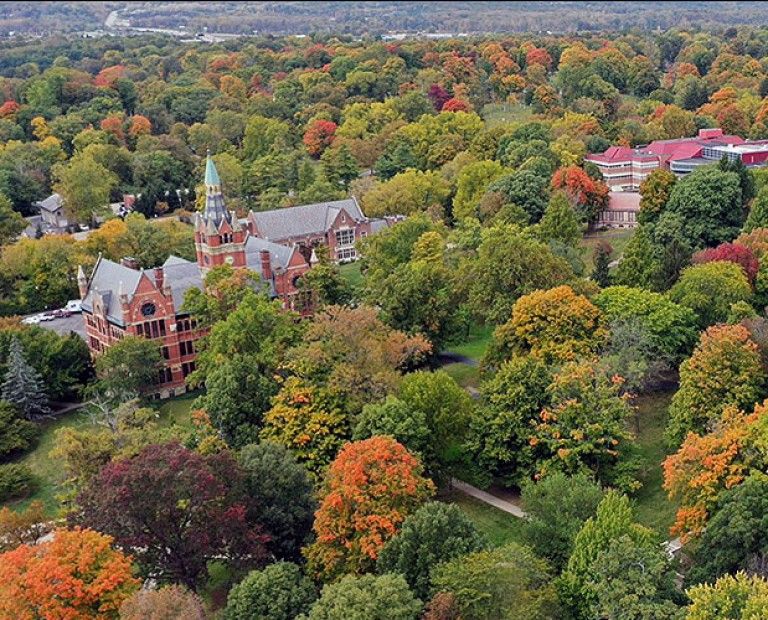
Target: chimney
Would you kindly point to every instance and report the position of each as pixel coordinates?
(130, 262)
(159, 277)
(266, 264)
(82, 282)
(122, 297)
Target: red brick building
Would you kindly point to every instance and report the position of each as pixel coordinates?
(337, 224)
(120, 299)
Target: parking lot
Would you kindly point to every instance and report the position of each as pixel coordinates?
(64, 326)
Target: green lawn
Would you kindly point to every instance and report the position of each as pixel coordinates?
(497, 526)
(476, 344)
(48, 470)
(496, 114)
(652, 506)
(617, 238)
(351, 273)
(465, 375)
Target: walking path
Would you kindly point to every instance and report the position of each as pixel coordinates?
(494, 501)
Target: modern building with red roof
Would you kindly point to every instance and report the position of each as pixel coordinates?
(624, 168)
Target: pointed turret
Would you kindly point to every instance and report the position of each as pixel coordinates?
(215, 211)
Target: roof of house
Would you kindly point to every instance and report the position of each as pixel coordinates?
(280, 255)
(52, 203)
(302, 220)
(623, 201)
(621, 153)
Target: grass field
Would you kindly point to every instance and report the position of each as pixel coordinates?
(48, 470)
(617, 238)
(651, 504)
(351, 273)
(498, 527)
(496, 114)
(474, 346)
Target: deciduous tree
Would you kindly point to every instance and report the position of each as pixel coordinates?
(370, 488)
(77, 574)
(725, 369)
(435, 533)
(197, 510)
(278, 592)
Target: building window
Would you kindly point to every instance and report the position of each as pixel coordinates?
(186, 347)
(345, 237)
(165, 376)
(166, 353)
(346, 254)
(187, 368)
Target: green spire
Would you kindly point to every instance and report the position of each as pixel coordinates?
(211, 174)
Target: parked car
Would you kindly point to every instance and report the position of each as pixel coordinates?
(74, 305)
(47, 316)
(31, 320)
(62, 313)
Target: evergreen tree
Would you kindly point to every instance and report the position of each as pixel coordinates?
(23, 385)
(602, 258)
(560, 222)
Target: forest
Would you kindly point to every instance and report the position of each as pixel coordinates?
(610, 384)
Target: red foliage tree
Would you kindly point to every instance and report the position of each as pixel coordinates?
(733, 253)
(538, 56)
(371, 487)
(438, 96)
(108, 76)
(319, 136)
(456, 105)
(77, 575)
(590, 196)
(114, 125)
(177, 508)
(9, 108)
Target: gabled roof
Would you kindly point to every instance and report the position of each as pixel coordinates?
(280, 254)
(279, 224)
(106, 279)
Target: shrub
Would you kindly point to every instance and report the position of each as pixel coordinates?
(16, 481)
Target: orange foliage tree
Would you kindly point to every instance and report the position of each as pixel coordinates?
(319, 136)
(590, 195)
(75, 576)
(371, 487)
(108, 76)
(140, 125)
(707, 464)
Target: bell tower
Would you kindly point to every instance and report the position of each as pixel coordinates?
(219, 236)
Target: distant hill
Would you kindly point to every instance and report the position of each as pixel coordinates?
(376, 18)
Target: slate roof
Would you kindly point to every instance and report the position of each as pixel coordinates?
(182, 275)
(105, 282)
(280, 254)
(303, 220)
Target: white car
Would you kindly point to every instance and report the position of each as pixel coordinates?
(46, 316)
(31, 320)
(74, 305)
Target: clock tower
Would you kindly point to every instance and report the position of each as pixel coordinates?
(219, 236)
